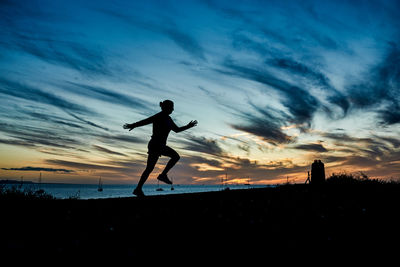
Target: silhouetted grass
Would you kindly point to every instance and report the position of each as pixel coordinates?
(344, 215)
(16, 193)
(361, 178)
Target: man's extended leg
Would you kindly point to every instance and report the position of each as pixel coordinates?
(151, 162)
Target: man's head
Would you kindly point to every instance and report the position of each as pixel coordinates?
(167, 106)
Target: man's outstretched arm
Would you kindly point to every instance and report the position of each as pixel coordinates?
(183, 128)
(131, 126)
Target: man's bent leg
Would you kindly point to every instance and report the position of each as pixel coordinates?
(174, 159)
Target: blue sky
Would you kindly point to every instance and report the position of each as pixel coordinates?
(273, 84)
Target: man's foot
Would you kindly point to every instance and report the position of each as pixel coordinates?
(138, 192)
(164, 178)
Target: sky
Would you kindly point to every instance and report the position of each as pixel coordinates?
(274, 85)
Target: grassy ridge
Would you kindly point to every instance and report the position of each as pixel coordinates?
(347, 214)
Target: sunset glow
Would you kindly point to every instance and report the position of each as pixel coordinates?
(272, 84)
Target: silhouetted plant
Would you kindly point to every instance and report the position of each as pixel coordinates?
(76, 196)
(351, 178)
(26, 193)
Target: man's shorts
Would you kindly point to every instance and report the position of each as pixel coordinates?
(160, 149)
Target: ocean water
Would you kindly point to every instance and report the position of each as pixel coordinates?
(89, 191)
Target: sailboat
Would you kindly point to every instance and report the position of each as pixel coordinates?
(225, 186)
(158, 186)
(100, 188)
(40, 190)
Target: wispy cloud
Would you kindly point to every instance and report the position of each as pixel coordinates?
(107, 151)
(266, 127)
(203, 145)
(300, 103)
(16, 142)
(311, 147)
(28, 168)
(184, 41)
(74, 55)
(315, 77)
(116, 139)
(88, 122)
(268, 122)
(51, 118)
(380, 87)
(40, 32)
(31, 93)
(297, 70)
(203, 170)
(25, 135)
(166, 27)
(82, 166)
(114, 169)
(107, 95)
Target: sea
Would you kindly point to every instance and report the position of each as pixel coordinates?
(90, 191)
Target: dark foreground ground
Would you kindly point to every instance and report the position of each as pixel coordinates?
(361, 219)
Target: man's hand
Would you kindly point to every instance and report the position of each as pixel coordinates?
(192, 124)
(129, 126)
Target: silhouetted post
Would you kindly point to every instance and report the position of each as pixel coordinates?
(308, 178)
(317, 172)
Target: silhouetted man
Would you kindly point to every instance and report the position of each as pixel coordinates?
(162, 125)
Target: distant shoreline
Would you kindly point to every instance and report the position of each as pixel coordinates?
(10, 181)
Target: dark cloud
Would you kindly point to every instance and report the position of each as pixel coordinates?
(393, 141)
(165, 27)
(390, 114)
(88, 122)
(36, 95)
(107, 151)
(46, 140)
(184, 41)
(246, 20)
(264, 122)
(28, 135)
(316, 77)
(203, 145)
(81, 165)
(33, 29)
(108, 96)
(28, 168)
(189, 171)
(241, 41)
(300, 103)
(296, 67)
(118, 138)
(50, 118)
(267, 129)
(15, 142)
(380, 87)
(294, 33)
(343, 137)
(267, 123)
(189, 159)
(301, 71)
(373, 145)
(311, 147)
(113, 168)
(374, 153)
(74, 55)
